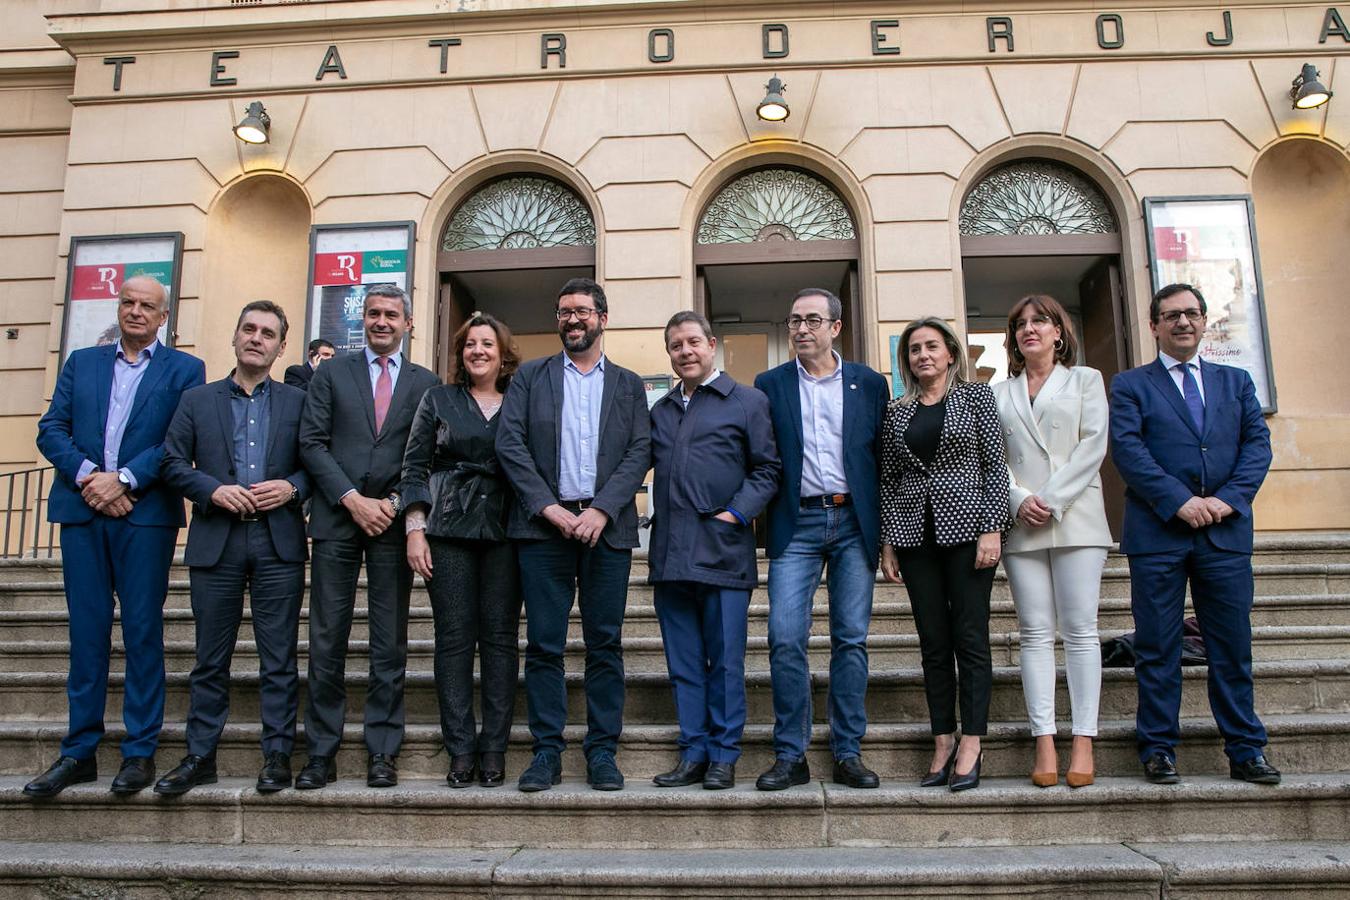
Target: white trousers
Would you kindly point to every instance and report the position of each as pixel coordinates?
(1059, 587)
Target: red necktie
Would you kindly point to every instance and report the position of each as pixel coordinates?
(384, 391)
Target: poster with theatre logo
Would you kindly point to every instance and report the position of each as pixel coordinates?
(345, 262)
(97, 269)
(1210, 242)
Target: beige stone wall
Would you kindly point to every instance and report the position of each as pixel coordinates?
(901, 140)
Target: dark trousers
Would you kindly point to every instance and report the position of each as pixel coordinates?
(475, 600)
(703, 629)
(950, 600)
(553, 573)
(1221, 591)
(335, 567)
(276, 589)
(98, 558)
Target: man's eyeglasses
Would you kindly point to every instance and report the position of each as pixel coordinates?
(1173, 316)
(793, 323)
(582, 313)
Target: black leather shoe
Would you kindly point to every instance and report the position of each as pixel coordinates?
(1160, 769)
(67, 770)
(784, 774)
(461, 771)
(275, 774)
(719, 777)
(685, 773)
(942, 775)
(1256, 770)
(602, 773)
(967, 781)
(189, 773)
(137, 774)
(381, 771)
(318, 771)
(543, 773)
(492, 769)
(853, 773)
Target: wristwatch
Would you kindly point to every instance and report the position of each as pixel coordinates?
(395, 501)
(126, 482)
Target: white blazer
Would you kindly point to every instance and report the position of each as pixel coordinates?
(1055, 451)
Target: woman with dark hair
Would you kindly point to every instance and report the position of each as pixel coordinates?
(457, 500)
(944, 507)
(1054, 419)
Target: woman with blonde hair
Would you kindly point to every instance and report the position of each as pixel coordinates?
(1054, 417)
(944, 506)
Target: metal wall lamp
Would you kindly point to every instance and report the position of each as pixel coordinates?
(256, 126)
(773, 108)
(1308, 92)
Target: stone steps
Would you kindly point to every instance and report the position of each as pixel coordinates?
(425, 813)
(897, 752)
(895, 695)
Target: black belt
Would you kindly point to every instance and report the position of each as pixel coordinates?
(826, 501)
(577, 506)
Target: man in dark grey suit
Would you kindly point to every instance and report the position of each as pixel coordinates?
(357, 417)
(574, 441)
(300, 375)
(233, 450)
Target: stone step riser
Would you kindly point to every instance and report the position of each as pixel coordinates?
(896, 754)
(1290, 688)
(573, 817)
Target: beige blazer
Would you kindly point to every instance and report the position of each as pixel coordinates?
(1055, 451)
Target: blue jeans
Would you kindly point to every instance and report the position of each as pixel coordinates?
(822, 536)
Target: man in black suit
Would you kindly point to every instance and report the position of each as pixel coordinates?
(233, 449)
(355, 425)
(575, 443)
(300, 375)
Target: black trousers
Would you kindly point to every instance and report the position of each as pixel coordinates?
(276, 589)
(475, 600)
(334, 569)
(950, 600)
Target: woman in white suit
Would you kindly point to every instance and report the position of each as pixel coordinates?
(1054, 417)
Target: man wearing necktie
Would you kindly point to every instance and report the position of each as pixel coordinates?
(1189, 439)
(358, 413)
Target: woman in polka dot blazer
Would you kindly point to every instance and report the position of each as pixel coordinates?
(944, 507)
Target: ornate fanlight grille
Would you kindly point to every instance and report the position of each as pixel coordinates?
(1036, 197)
(776, 205)
(518, 213)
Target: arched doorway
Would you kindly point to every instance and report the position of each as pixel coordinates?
(506, 250)
(257, 247)
(1037, 226)
(765, 235)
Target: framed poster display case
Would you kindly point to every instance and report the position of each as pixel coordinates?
(96, 269)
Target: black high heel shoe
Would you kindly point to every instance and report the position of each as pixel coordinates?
(942, 775)
(969, 780)
(461, 771)
(492, 769)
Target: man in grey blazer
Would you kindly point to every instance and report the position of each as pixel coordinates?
(574, 441)
(358, 412)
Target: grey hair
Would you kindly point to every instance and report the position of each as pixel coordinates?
(836, 307)
(390, 290)
(957, 371)
(163, 289)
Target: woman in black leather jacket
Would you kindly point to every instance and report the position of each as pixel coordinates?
(457, 500)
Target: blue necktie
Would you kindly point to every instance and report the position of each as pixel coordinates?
(1190, 390)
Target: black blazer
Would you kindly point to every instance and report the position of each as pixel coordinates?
(527, 447)
(299, 376)
(338, 443)
(199, 457)
(967, 484)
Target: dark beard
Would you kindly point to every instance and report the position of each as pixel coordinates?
(583, 343)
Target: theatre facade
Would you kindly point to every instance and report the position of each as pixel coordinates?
(937, 158)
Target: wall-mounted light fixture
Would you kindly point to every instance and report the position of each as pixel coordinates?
(1308, 92)
(773, 108)
(256, 126)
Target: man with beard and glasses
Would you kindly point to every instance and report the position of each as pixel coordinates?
(574, 441)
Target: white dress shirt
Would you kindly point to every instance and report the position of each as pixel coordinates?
(1178, 376)
(685, 398)
(822, 430)
(373, 369)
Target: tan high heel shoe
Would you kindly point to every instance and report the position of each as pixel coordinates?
(1079, 779)
(1045, 779)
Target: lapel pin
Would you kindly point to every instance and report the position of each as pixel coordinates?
(852, 387)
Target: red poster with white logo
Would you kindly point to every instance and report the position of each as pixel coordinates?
(337, 268)
(97, 282)
(1169, 243)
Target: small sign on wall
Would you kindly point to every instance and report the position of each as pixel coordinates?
(346, 261)
(96, 270)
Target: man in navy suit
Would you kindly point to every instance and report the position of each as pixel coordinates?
(233, 450)
(104, 434)
(827, 420)
(300, 375)
(1190, 442)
